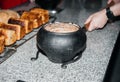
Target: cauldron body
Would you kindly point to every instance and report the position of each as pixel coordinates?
(61, 47)
(48, 4)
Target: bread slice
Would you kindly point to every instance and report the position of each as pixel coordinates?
(39, 10)
(44, 14)
(2, 42)
(11, 13)
(14, 27)
(5, 15)
(22, 23)
(10, 36)
(33, 19)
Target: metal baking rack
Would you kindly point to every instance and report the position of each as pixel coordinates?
(9, 51)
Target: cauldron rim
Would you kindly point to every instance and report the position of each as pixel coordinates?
(65, 33)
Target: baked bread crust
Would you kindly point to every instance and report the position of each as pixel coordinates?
(22, 23)
(10, 36)
(5, 15)
(11, 13)
(44, 14)
(14, 27)
(2, 42)
(32, 19)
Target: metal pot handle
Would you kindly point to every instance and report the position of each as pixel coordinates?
(85, 27)
(52, 19)
(77, 57)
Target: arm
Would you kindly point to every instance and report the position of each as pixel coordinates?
(113, 1)
(116, 9)
(99, 19)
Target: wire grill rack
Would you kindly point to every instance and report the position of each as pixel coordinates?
(9, 51)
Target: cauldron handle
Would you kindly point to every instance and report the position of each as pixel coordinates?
(52, 19)
(77, 57)
(85, 27)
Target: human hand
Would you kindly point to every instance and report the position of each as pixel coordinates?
(113, 1)
(97, 20)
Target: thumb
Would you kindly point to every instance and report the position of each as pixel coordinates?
(88, 20)
(90, 28)
(109, 1)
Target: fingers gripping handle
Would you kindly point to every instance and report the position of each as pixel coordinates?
(85, 27)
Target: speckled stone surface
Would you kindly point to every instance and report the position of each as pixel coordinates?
(90, 67)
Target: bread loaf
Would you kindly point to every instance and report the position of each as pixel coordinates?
(11, 13)
(4, 17)
(6, 14)
(2, 42)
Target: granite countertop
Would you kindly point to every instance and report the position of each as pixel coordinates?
(90, 67)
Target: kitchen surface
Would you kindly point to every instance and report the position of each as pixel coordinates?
(92, 65)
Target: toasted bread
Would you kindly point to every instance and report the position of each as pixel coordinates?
(2, 42)
(11, 13)
(6, 14)
(44, 14)
(39, 10)
(16, 28)
(22, 23)
(4, 17)
(10, 36)
(32, 18)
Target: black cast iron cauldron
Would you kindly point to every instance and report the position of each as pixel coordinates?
(48, 4)
(62, 47)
